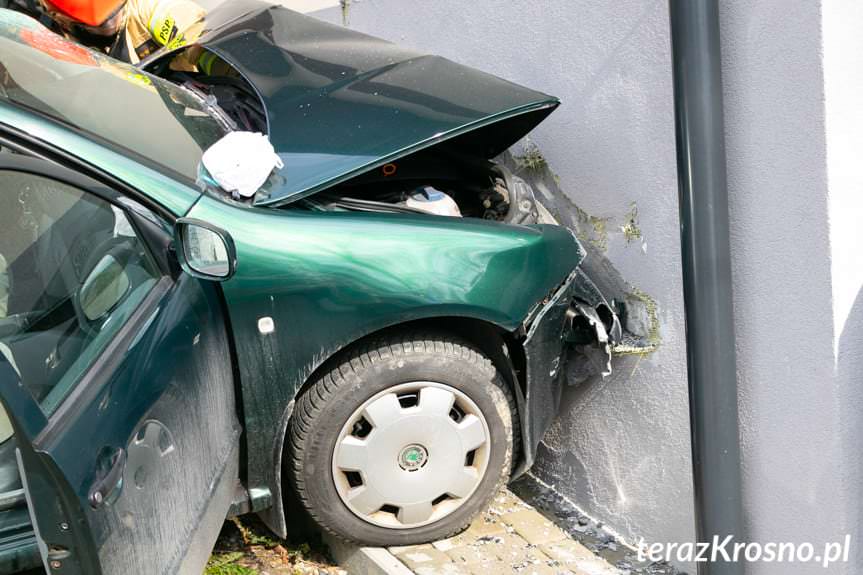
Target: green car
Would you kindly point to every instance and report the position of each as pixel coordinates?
(171, 355)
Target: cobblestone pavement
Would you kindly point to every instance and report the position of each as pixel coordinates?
(510, 537)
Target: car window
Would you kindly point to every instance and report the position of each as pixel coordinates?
(149, 118)
(72, 271)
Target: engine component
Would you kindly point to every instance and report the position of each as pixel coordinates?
(475, 190)
(510, 200)
(522, 201)
(428, 199)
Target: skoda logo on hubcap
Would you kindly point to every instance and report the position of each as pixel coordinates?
(413, 457)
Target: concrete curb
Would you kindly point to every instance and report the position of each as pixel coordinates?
(365, 560)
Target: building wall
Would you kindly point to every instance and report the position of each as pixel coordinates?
(842, 21)
(793, 86)
(620, 449)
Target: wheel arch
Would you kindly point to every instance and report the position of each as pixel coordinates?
(504, 349)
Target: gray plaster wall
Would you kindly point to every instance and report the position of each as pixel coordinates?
(792, 182)
(620, 449)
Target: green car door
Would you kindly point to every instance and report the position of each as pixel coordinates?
(116, 377)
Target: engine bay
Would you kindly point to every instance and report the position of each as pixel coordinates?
(434, 181)
(426, 183)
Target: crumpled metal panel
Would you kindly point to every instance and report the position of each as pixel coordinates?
(602, 344)
(340, 103)
(544, 354)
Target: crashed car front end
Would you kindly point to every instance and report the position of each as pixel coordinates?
(578, 318)
(331, 252)
(324, 281)
(338, 242)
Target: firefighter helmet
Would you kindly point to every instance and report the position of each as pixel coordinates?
(96, 16)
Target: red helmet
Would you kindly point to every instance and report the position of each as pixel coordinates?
(90, 13)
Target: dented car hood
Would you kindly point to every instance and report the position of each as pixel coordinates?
(340, 103)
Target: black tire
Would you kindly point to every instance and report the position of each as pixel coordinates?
(358, 375)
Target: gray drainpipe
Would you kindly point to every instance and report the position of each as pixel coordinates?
(705, 248)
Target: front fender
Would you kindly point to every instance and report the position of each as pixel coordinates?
(309, 284)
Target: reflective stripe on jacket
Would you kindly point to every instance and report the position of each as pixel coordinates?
(151, 24)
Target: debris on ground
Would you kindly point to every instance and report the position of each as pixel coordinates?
(247, 547)
(590, 533)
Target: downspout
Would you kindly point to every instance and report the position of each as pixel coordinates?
(707, 290)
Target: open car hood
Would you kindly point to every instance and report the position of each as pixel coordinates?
(340, 103)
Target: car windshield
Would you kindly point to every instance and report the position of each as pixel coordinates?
(144, 115)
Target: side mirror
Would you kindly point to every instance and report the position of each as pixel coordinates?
(205, 251)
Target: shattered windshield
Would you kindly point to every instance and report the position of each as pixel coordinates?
(142, 114)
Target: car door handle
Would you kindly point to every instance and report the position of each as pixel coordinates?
(104, 487)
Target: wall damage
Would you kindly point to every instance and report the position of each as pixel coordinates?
(638, 310)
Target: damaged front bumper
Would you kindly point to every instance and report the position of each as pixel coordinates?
(576, 318)
(544, 355)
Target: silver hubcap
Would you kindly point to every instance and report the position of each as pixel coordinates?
(411, 455)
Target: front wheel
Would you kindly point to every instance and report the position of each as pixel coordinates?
(404, 441)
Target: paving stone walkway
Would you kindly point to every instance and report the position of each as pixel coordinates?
(510, 537)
